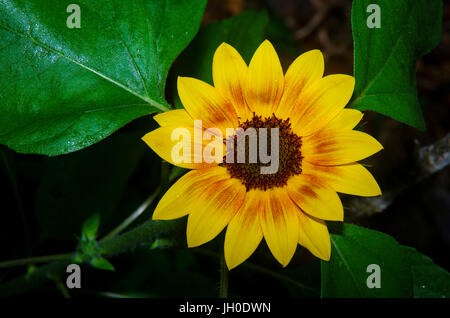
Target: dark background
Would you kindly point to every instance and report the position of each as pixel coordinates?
(45, 200)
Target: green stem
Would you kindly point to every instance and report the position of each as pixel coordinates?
(112, 245)
(144, 234)
(223, 290)
(141, 209)
(279, 276)
(60, 286)
(36, 260)
(262, 270)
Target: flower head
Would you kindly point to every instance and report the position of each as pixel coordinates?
(316, 146)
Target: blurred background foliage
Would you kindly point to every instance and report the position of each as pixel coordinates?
(45, 200)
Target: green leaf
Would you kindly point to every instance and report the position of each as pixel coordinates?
(353, 250)
(244, 32)
(385, 57)
(102, 263)
(430, 280)
(64, 89)
(90, 227)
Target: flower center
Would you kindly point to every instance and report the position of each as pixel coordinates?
(289, 154)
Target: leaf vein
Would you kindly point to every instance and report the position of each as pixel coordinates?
(50, 49)
(346, 265)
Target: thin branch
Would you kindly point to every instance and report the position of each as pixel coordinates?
(60, 286)
(141, 209)
(145, 234)
(429, 160)
(223, 290)
(434, 157)
(68, 256)
(322, 11)
(36, 260)
(223, 287)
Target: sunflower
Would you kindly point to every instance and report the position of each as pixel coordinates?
(318, 154)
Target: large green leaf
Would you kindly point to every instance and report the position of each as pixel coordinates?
(430, 280)
(64, 89)
(244, 32)
(353, 250)
(385, 57)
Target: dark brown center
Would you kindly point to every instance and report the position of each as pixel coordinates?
(290, 156)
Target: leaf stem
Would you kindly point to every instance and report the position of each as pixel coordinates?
(36, 260)
(68, 256)
(223, 290)
(262, 270)
(60, 286)
(122, 226)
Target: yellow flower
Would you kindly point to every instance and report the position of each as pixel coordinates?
(318, 154)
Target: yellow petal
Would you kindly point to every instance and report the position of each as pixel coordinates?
(203, 102)
(348, 118)
(337, 147)
(180, 199)
(167, 142)
(350, 179)
(244, 231)
(265, 81)
(214, 209)
(306, 69)
(279, 224)
(177, 117)
(320, 102)
(315, 198)
(229, 76)
(313, 235)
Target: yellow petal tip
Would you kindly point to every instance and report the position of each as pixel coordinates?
(230, 266)
(266, 44)
(326, 258)
(181, 80)
(378, 147)
(147, 138)
(224, 45)
(191, 244)
(315, 52)
(157, 215)
(192, 241)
